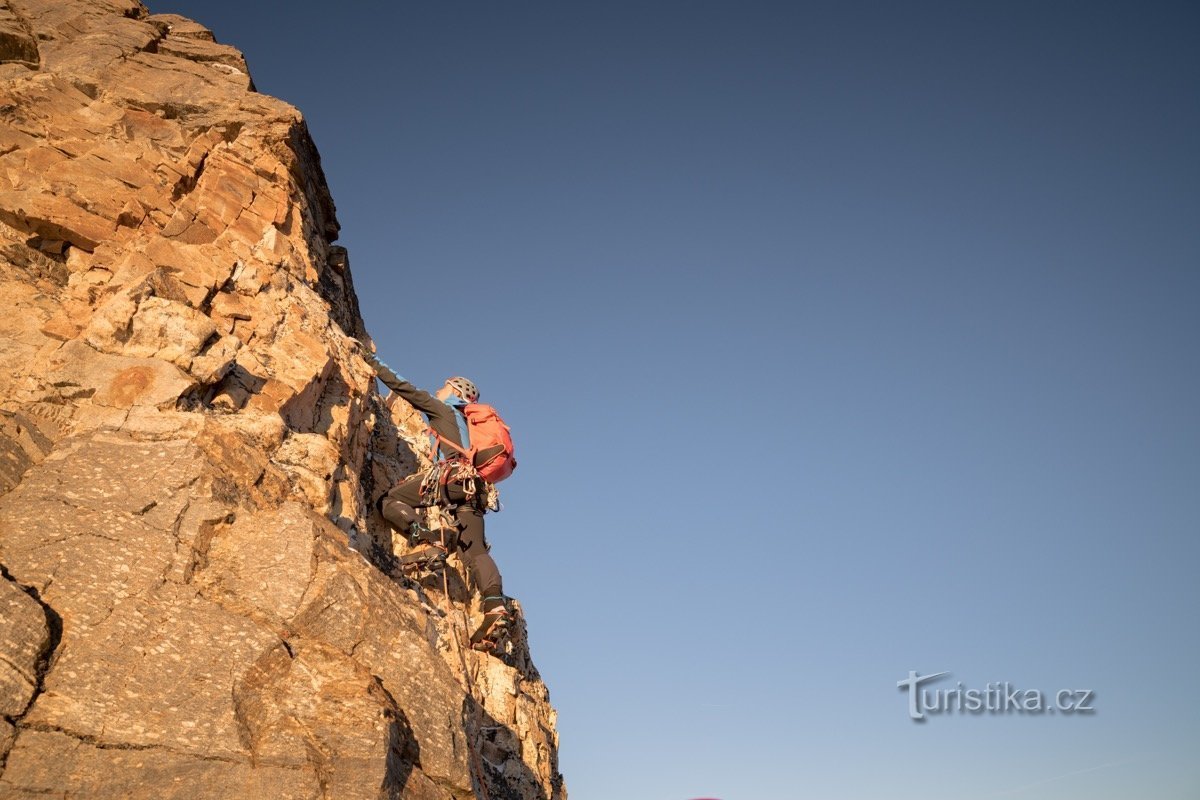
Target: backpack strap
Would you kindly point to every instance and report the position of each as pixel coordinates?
(464, 431)
(439, 439)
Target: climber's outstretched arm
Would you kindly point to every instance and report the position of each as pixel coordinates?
(423, 401)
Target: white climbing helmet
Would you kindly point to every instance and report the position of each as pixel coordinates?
(463, 388)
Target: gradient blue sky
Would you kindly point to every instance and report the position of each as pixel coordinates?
(839, 340)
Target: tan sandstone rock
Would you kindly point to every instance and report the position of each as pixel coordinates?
(197, 598)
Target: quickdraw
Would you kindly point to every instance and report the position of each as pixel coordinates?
(479, 493)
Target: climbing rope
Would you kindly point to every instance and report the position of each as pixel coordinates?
(466, 670)
(434, 497)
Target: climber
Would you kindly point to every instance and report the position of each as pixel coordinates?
(452, 483)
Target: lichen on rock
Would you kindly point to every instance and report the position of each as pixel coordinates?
(198, 597)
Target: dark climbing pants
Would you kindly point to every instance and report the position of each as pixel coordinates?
(472, 543)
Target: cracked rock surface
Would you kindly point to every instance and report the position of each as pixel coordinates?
(197, 598)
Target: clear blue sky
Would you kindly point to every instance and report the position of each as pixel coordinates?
(839, 340)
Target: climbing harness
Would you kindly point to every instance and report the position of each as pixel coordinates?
(479, 493)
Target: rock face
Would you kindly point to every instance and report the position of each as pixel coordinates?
(196, 596)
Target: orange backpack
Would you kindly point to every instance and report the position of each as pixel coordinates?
(487, 431)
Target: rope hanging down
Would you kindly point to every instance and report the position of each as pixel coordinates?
(484, 496)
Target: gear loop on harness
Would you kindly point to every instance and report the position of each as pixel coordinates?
(479, 493)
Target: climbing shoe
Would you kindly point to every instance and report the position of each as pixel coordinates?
(491, 632)
(426, 558)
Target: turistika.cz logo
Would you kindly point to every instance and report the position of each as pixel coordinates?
(1000, 697)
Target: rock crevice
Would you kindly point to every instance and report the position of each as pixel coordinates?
(28, 648)
(18, 45)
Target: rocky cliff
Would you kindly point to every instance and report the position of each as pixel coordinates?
(197, 598)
